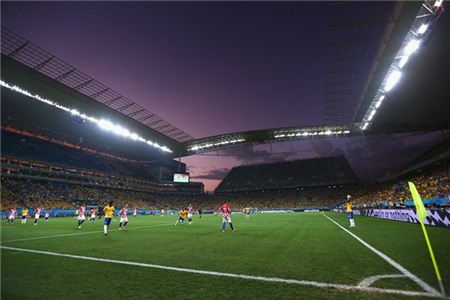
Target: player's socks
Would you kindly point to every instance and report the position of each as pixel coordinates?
(125, 224)
(223, 226)
(120, 225)
(105, 229)
(231, 225)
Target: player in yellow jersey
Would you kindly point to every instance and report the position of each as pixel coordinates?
(349, 208)
(182, 214)
(24, 215)
(108, 210)
(247, 212)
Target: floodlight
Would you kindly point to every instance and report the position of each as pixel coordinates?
(403, 61)
(438, 3)
(392, 80)
(422, 29)
(412, 46)
(105, 124)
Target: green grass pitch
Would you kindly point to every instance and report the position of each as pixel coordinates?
(270, 256)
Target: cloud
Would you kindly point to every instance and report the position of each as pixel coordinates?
(211, 174)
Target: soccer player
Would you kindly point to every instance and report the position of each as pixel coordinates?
(81, 215)
(200, 213)
(24, 215)
(247, 213)
(47, 214)
(12, 216)
(226, 216)
(190, 213)
(349, 208)
(37, 214)
(92, 218)
(135, 213)
(123, 217)
(108, 210)
(182, 214)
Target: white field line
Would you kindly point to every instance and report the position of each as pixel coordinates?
(78, 233)
(369, 280)
(239, 276)
(407, 273)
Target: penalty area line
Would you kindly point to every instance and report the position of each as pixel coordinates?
(389, 260)
(230, 275)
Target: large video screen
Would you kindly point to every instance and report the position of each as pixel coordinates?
(181, 177)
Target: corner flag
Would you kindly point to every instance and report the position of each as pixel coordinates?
(421, 211)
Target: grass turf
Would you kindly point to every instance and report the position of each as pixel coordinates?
(298, 246)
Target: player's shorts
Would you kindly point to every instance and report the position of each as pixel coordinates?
(123, 219)
(24, 217)
(81, 217)
(181, 219)
(226, 219)
(107, 221)
(350, 214)
(11, 217)
(37, 216)
(189, 216)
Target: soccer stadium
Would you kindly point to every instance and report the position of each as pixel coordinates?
(94, 195)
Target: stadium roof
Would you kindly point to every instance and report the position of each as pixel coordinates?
(418, 104)
(31, 55)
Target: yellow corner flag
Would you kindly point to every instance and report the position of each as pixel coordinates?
(421, 211)
(422, 214)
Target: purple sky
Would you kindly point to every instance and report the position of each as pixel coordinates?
(210, 68)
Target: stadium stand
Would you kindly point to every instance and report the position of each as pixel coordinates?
(292, 174)
(63, 177)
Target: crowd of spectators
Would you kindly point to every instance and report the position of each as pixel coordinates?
(26, 192)
(431, 184)
(301, 184)
(291, 174)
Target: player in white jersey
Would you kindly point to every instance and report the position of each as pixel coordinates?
(135, 213)
(123, 217)
(12, 216)
(190, 213)
(81, 215)
(47, 214)
(93, 211)
(37, 214)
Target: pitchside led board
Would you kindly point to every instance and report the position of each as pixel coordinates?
(181, 177)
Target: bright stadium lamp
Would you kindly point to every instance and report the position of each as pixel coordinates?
(403, 62)
(105, 124)
(422, 29)
(392, 80)
(412, 46)
(121, 131)
(377, 105)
